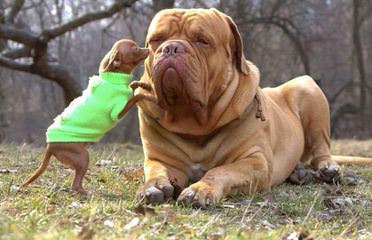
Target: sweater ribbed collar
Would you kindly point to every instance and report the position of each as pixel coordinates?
(116, 77)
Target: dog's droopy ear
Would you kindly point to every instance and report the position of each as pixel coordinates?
(237, 45)
(239, 51)
(111, 61)
(116, 59)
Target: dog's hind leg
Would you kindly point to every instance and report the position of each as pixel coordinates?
(81, 168)
(75, 156)
(314, 112)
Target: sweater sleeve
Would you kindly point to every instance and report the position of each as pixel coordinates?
(119, 106)
(116, 110)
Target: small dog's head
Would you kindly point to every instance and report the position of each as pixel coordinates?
(124, 56)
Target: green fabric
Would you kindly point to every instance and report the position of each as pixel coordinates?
(95, 112)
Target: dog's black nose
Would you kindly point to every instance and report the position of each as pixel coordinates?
(174, 48)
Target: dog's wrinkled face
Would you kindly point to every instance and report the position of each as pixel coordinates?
(192, 56)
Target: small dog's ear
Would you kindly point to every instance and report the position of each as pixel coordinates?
(116, 63)
(111, 61)
(115, 59)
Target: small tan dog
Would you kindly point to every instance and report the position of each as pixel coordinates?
(81, 123)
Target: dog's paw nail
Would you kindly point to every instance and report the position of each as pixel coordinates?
(154, 195)
(187, 197)
(330, 174)
(168, 191)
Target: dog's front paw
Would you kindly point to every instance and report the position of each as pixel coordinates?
(199, 195)
(329, 173)
(156, 190)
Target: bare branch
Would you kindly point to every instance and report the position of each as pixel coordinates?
(8, 63)
(36, 46)
(16, 53)
(54, 72)
(289, 29)
(17, 6)
(57, 73)
(86, 18)
(11, 33)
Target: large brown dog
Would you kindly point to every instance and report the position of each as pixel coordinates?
(211, 123)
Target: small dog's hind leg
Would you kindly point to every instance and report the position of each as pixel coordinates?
(81, 168)
(76, 157)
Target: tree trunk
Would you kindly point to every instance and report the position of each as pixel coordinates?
(360, 60)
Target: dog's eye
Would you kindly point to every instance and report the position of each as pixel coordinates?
(202, 41)
(155, 41)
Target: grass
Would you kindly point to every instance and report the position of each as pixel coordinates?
(48, 210)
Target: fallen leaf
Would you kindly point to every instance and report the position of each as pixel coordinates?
(50, 209)
(269, 197)
(86, 233)
(338, 202)
(228, 206)
(103, 162)
(323, 216)
(292, 236)
(267, 224)
(167, 213)
(132, 223)
(364, 234)
(75, 204)
(334, 198)
(14, 188)
(108, 223)
(218, 234)
(131, 173)
(303, 235)
(144, 210)
(351, 178)
(6, 170)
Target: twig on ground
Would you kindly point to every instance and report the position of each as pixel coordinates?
(311, 208)
(353, 220)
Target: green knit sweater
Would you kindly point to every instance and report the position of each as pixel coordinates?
(95, 112)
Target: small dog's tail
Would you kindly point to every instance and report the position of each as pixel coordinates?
(351, 160)
(41, 168)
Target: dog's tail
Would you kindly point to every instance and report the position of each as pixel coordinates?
(41, 168)
(351, 160)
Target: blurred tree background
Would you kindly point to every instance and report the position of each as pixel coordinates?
(49, 48)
